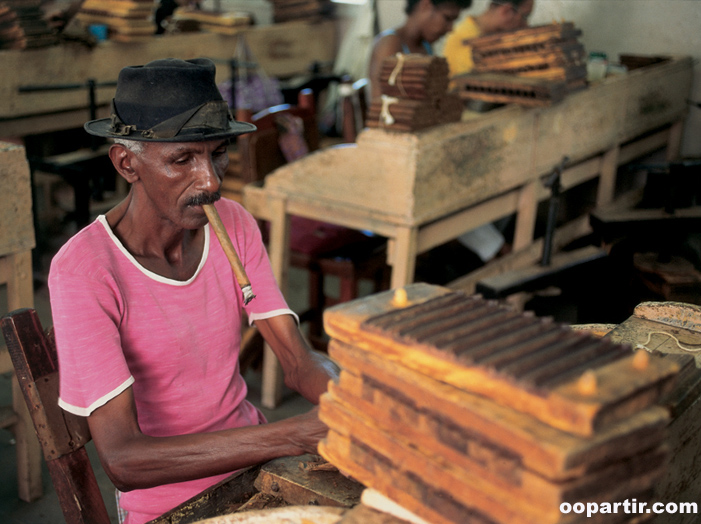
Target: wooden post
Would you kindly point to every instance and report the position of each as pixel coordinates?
(16, 242)
(607, 178)
(279, 251)
(526, 215)
(674, 143)
(404, 256)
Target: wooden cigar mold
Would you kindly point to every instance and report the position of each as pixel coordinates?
(465, 411)
(415, 88)
(535, 66)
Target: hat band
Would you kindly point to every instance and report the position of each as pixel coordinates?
(210, 115)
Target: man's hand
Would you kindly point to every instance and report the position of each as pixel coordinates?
(310, 430)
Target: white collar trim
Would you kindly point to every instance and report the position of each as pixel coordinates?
(155, 276)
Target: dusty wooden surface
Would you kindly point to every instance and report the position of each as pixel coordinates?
(421, 176)
(289, 515)
(16, 226)
(666, 328)
(292, 479)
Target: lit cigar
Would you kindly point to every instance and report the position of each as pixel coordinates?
(230, 252)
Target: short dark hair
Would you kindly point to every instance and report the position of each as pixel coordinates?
(462, 4)
(515, 3)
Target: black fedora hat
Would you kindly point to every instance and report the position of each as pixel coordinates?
(169, 100)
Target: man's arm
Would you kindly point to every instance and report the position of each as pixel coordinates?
(388, 45)
(306, 371)
(133, 460)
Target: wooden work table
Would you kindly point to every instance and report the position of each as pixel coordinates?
(423, 189)
(281, 50)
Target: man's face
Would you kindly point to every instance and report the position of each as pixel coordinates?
(178, 178)
(440, 21)
(515, 17)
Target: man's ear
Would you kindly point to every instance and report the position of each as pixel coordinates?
(122, 160)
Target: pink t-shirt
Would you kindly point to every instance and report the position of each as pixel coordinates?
(176, 343)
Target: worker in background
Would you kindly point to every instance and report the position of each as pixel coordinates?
(486, 241)
(500, 16)
(147, 313)
(427, 21)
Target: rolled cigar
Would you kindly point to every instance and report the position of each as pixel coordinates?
(231, 255)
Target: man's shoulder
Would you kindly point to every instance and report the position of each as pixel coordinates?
(87, 245)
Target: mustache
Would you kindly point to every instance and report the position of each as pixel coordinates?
(203, 199)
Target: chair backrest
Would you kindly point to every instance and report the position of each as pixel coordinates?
(260, 151)
(62, 435)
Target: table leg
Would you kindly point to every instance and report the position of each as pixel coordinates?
(607, 177)
(279, 252)
(674, 143)
(526, 215)
(402, 258)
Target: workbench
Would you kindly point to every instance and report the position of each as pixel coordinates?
(423, 189)
(282, 50)
(16, 243)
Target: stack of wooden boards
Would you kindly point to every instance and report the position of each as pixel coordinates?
(126, 20)
(222, 22)
(462, 410)
(306, 10)
(22, 25)
(534, 66)
(414, 94)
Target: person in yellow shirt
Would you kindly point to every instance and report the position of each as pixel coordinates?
(500, 16)
(426, 22)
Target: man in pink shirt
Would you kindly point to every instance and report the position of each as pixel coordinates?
(147, 312)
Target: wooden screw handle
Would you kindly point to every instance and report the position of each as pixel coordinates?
(231, 255)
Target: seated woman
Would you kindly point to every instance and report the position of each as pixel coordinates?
(427, 21)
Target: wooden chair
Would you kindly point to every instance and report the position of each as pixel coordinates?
(62, 435)
(345, 253)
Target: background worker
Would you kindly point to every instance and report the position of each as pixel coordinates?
(427, 21)
(500, 16)
(486, 241)
(147, 313)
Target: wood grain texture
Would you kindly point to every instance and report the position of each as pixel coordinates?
(16, 227)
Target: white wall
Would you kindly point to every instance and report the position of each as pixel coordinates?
(615, 26)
